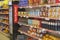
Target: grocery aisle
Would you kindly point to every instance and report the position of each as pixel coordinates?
(36, 19)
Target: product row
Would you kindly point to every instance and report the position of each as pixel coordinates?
(50, 37)
(36, 2)
(4, 28)
(4, 11)
(52, 12)
(51, 24)
(42, 34)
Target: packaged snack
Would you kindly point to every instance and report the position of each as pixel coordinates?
(30, 2)
(5, 6)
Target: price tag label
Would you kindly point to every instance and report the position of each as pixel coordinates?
(10, 3)
(31, 26)
(20, 16)
(59, 18)
(47, 5)
(27, 17)
(59, 32)
(20, 7)
(39, 39)
(47, 19)
(24, 16)
(21, 32)
(30, 7)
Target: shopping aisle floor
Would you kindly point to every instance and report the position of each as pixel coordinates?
(2, 37)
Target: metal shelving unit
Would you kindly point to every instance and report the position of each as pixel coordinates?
(37, 17)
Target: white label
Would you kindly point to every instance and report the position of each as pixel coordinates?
(59, 32)
(21, 32)
(27, 17)
(30, 6)
(59, 0)
(47, 5)
(10, 3)
(20, 7)
(59, 18)
(39, 39)
(47, 19)
(31, 26)
(24, 16)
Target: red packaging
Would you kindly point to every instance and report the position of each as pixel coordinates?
(15, 13)
(30, 1)
(35, 1)
(57, 1)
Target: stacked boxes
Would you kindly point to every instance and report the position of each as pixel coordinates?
(37, 2)
(34, 23)
(30, 2)
(23, 3)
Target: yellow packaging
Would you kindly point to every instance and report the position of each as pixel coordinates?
(54, 12)
(42, 2)
(25, 13)
(5, 6)
(58, 38)
(1, 3)
(6, 2)
(52, 37)
(58, 11)
(22, 13)
(46, 35)
(18, 13)
(54, 9)
(47, 38)
(44, 38)
(36, 22)
(30, 2)
(50, 12)
(6, 29)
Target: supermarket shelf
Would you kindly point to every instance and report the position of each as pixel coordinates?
(4, 9)
(4, 23)
(46, 18)
(47, 5)
(52, 31)
(28, 34)
(5, 34)
(4, 18)
(3, 14)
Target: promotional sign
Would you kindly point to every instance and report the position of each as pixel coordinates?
(15, 13)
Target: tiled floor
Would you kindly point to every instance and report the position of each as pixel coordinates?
(3, 37)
